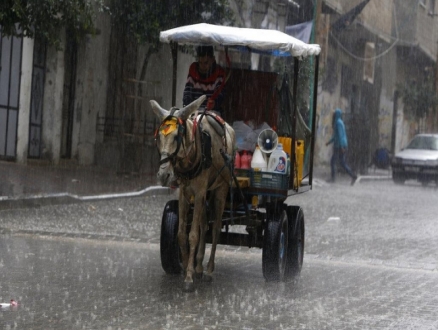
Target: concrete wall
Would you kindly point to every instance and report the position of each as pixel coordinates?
(389, 78)
(24, 102)
(377, 15)
(427, 30)
(90, 91)
(53, 96)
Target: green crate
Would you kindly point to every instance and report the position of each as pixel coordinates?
(242, 172)
(269, 180)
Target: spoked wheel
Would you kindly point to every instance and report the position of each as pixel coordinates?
(295, 252)
(275, 246)
(169, 248)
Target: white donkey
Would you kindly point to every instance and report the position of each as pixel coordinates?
(183, 142)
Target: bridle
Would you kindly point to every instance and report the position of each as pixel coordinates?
(168, 125)
(172, 123)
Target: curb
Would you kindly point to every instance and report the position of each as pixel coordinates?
(67, 198)
(373, 177)
(360, 178)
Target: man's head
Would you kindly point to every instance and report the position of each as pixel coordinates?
(205, 58)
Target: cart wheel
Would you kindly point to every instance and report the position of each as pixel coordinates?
(295, 252)
(169, 248)
(275, 241)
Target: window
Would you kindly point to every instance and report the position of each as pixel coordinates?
(368, 67)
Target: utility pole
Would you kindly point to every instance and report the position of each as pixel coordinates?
(435, 114)
(435, 108)
(317, 20)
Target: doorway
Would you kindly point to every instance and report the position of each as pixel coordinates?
(10, 69)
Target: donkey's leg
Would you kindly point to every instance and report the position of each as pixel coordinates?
(199, 269)
(194, 240)
(219, 204)
(182, 229)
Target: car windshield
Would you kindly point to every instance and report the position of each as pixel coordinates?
(424, 142)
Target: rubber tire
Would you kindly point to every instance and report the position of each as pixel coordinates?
(295, 252)
(398, 178)
(424, 183)
(274, 254)
(169, 247)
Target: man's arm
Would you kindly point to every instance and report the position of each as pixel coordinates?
(219, 87)
(187, 95)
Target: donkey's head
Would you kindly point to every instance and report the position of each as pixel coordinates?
(171, 137)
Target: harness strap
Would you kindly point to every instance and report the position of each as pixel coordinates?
(169, 124)
(206, 160)
(190, 174)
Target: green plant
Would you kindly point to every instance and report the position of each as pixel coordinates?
(46, 18)
(418, 97)
(144, 19)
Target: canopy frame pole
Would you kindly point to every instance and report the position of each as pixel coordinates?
(315, 97)
(174, 50)
(294, 120)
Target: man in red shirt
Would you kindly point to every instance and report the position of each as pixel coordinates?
(205, 77)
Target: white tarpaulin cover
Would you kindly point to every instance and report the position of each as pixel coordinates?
(272, 42)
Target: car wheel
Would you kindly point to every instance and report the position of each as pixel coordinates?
(424, 183)
(398, 178)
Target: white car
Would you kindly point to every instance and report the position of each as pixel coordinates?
(419, 160)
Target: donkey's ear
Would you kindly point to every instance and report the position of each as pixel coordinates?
(158, 110)
(185, 112)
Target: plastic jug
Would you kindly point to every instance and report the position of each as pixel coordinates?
(258, 162)
(297, 168)
(237, 162)
(278, 160)
(300, 161)
(245, 161)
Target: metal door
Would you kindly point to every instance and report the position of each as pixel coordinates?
(10, 68)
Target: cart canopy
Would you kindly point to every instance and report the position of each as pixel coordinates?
(270, 42)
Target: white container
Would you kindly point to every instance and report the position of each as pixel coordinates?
(278, 160)
(258, 162)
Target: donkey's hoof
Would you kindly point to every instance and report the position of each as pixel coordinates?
(207, 278)
(189, 287)
(199, 276)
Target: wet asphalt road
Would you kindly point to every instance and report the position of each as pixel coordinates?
(370, 263)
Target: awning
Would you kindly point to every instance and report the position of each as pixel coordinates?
(272, 42)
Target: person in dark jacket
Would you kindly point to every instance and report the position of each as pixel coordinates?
(340, 146)
(205, 77)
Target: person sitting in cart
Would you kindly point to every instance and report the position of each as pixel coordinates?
(205, 77)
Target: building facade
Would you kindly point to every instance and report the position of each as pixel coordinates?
(83, 103)
(373, 48)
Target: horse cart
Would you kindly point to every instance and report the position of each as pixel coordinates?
(250, 208)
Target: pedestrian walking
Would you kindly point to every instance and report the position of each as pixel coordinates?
(340, 146)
